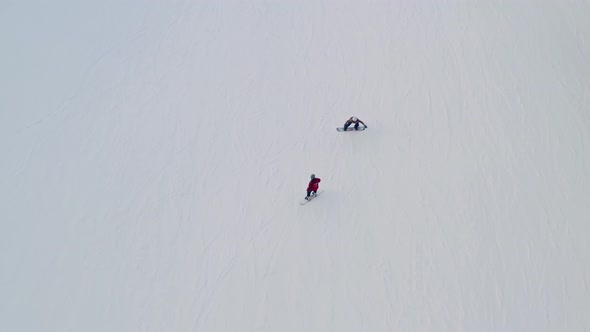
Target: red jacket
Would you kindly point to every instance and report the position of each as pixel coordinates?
(314, 184)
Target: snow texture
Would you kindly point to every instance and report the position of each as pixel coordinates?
(154, 154)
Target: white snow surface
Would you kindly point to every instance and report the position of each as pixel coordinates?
(154, 154)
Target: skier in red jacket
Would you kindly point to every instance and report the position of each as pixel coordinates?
(313, 186)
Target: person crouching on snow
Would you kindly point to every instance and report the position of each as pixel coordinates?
(356, 122)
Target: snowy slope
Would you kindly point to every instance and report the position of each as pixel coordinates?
(154, 154)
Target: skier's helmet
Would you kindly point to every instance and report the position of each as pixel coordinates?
(354, 118)
(312, 176)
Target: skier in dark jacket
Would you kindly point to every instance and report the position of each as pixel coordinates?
(313, 186)
(356, 122)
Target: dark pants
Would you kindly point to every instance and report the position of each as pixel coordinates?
(309, 192)
(346, 125)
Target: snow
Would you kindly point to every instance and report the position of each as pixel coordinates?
(153, 155)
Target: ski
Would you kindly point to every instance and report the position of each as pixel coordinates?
(311, 198)
(350, 129)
